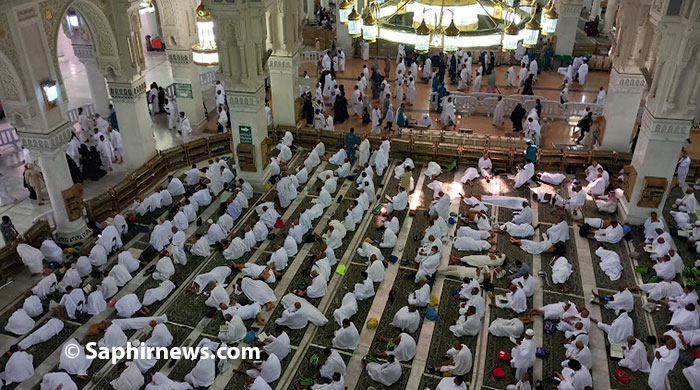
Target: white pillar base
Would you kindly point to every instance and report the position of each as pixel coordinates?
(186, 72)
(135, 123)
(50, 152)
(248, 109)
(656, 155)
(622, 103)
(283, 78)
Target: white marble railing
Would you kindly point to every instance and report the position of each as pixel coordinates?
(9, 136)
(208, 78)
(73, 114)
(484, 104)
(310, 56)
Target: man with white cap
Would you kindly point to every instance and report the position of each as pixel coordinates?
(523, 355)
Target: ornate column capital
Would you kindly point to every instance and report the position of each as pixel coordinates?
(127, 92)
(623, 82)
(48, 144)
(242, 101)
(664, 129)
(283, 64)
(179, 56)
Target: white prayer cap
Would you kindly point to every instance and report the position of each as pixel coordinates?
(697, 223)
(210, 221)
(530, 332)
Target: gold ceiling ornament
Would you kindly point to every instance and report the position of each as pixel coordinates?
(48, 15)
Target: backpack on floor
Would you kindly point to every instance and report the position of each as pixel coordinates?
(498, 373)
(549, 327)
(541, 352)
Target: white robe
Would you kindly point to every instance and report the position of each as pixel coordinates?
(31, 257)
(74, 365)
(385, 373)
(19, 323)
(406, 320)
(516, 301)
(257, 291)
(334, 363)
(53, 327)
(127, 305)
(280, 346)
(164, 269)
(346, 338)
(609, 263)
(32, 306)
(114, 337)
(293, 318)
(561, 270)
(157, 294)
(19, 367)
(635, 358)
(619, 330)
(501, 327)
(524, 175)
(661, 367)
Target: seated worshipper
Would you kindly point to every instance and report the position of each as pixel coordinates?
(57, 380)
(51, 327)
(202, 197)
(294, 317)
(20, 323)
(664, 268)
(268, 215)
(559, 232)
(201, 246)
(52, 253)
(577, 200)
(256, 291)
(604, 230)
(268, 368)
(193, 176)
(621, 300)
(525, 173)
(524, 215)
(515, 299)
(120, 275)
(385, 373)
(433, 170)
(225, 221)
(574, 376)
(157, 294)
(20, 366)
(190, 210)
(441, 206)
(331, 363)
(175, 186)
(218, 298)
(96, 303)
(76, 364)
(468, 323)
(682, 220)
(421, 296)
(364, 289)
(406, 319)
(127, 260)
(526, 283)
(277, 343)
(344, 169)
(160, 237)
(472, 294)
(286, 190)
(71, 277)
(618, 331)
(240, 198)
(592, 171)
(235, 249)
(428, 263)
(457, 360)
(687, 204)
(580, 352)
(164, 269)
(425, 121)
(607, 203)
(128, 305)
(534, 247)
(665, 358)
(72, 302)
(650, 225)
(110, 239)
(523, 355)
(561, 270)
(609, 263)
(215, 233)
(685, 319)
(32, 306)
(246, 187)
(347, 337)
(404, 347)
(661, 290)
(554, 179)
(398, 202)
(204, 372)
(318, 286)
(177, 246)
(598, 185)
(634, 356)
(108, 287)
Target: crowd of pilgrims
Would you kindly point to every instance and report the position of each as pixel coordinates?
(458, 67)
(94, 148)
(476, 233)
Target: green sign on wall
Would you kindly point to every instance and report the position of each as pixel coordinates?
(245, 134)
(183, 90)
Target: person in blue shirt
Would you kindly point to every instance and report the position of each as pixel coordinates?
(351, 141)
(113, 118)
(531, 151)
(401, 118)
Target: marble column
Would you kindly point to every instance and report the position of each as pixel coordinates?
(248, 111)
(186, 72)
(284, 62)
(658, 147)
(284, 72)
(310, 11)
(342, 38)
(50, 152)
(135, 124)
(610, 13)
(96, 81)
(567, 25)
(621, 107)
(595, 10)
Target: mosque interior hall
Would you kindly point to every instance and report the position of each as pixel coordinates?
(349, 194)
